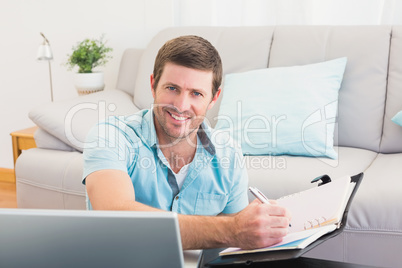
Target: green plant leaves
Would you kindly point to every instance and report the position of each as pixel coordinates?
(89, 54)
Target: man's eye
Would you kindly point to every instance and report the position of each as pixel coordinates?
(171, 88)
(197, 94)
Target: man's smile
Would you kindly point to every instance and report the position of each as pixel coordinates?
(178, 117)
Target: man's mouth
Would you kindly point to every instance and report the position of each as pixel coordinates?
(176, 117)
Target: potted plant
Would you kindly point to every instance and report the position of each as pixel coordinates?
(87, 55)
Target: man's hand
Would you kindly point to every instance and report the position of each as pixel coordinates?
(260, 225)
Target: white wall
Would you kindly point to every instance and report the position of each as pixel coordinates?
(25, 82)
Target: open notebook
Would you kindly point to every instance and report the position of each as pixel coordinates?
(315, 212)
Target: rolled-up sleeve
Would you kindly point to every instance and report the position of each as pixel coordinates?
(238, 198)
(107, 146)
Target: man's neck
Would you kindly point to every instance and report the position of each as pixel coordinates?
(178, 152)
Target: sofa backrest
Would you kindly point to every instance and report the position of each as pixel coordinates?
(363, 94)
(129, 65)
(392, 134)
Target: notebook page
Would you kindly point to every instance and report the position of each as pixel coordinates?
(296, 240)
(317, 205)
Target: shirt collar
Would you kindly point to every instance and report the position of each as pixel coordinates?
(148, 129)
(204, 133)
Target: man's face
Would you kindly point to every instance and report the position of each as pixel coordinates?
(181, 100)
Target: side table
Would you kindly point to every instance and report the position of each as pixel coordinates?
(23, 140)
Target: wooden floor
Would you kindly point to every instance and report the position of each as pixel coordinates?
(8, 196)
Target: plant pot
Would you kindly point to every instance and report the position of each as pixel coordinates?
(87, 83)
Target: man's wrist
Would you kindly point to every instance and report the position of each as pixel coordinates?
(225, 231)
(201, 232)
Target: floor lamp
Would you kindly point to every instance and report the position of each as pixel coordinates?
(45, 53)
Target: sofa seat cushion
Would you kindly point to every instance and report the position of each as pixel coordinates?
(373, 234)
(71, 120)
(377, 204)
(277, 176)
(50, 179)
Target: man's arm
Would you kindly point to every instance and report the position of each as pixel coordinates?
(258, 225)
(113, 190)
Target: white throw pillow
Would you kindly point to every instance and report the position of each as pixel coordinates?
(284, 110)
(45, 140)
(71, 120)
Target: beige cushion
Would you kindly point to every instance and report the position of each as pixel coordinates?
(377, 205)
(45, 140)
(392, 136)
(282, 175)
(71, 120)
(50, 179)
(128, 70)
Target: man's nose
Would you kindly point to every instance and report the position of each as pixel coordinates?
(182, 102)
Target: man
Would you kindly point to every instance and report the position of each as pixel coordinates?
(165, 159)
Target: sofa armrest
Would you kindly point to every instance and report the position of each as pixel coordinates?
(71, 120)
(129, 65)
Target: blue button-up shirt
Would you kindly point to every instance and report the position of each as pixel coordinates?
(216, 181)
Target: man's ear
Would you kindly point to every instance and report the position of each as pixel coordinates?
(152, 85)
(215, 98)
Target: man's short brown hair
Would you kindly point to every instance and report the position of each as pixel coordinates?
(193, 52)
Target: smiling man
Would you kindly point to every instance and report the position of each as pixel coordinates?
(165, 159)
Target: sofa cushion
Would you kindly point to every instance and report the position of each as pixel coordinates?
(392, 134)
(241, 54)
(377, 204)
(50, 179)
(287, 110)
(130, 62)
(363, 92)
(71, 120)
(277, 176)
(45, 140)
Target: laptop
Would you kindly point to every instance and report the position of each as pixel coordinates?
(72, 238)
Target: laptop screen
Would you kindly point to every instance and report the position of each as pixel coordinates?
(66, 238)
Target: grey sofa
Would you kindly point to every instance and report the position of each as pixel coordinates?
(365, 138)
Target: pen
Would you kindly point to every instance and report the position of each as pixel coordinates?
(260, 196)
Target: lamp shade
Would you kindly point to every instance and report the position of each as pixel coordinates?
(44, 52)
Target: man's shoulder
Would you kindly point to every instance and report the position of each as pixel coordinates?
(134, 121)
(137, 119)
(131, 126)
(223, 142)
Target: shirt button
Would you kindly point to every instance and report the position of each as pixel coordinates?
(177, 197)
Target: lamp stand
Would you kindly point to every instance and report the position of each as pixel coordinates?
(51, 86)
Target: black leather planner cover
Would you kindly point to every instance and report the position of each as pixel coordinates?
(211, 258)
